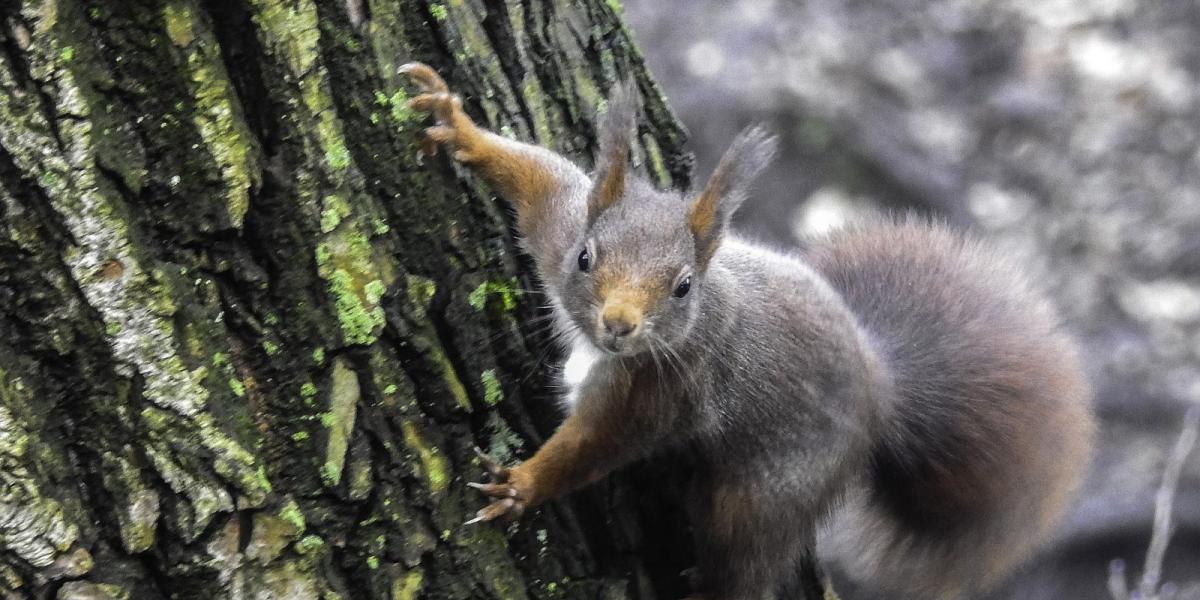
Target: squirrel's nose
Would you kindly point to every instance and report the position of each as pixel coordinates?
(618, 327)
(620, 319)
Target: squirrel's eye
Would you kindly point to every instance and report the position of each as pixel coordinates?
(681, 290)
(585, 260)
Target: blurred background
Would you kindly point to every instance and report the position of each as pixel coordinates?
(1065, 129)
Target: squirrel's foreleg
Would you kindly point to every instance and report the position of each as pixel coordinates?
(568, 460)
(526, 175)
(600, 436)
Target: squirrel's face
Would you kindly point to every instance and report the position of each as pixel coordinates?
(635, 279)
(633, 282)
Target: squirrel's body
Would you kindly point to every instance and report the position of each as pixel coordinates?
(895, 368)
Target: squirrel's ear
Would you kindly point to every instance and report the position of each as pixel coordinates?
(750, 152)
(612, 163)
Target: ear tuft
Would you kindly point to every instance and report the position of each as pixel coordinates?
(612, 162)
(750, 152)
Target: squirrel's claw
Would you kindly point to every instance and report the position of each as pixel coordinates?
(509, 504)
(497, 471)
(496, 490)
(506, 509)
(443, 105)
(454, 128)
(424, 76)
(440, 134)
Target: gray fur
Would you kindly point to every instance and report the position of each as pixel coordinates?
(617, 129)
(890, 356)
(749, 153)
(989, 397)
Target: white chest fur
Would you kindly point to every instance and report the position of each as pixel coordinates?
(575, 370)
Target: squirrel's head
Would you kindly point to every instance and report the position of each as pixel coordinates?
(635, 280)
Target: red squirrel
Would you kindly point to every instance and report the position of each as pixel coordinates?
(897, 375)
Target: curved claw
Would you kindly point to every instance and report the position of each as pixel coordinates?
(441, 104)
(424, 76)
(495, 490)
(454, 128)
(509, 503)
(496, 470)
(505, 509)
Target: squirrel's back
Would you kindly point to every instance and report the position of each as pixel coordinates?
(989, 431)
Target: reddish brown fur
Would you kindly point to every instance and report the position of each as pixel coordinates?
(703, 216)
(524, 178)
(612, 186)
(619, 420)
(616, 422)
(625, 300)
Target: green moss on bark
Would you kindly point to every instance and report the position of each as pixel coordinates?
(434, 467)
(343, 406)
(218, 113)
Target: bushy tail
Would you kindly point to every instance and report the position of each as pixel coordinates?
(989, 431)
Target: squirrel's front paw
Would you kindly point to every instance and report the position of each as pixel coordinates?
(455, 129)
(510, 488)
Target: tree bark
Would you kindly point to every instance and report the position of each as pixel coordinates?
(248, 341)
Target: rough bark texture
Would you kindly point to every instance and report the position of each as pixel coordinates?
(247, 342)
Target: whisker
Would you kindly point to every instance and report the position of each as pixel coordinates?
(686, 376)
(654, 355)
(562, 329)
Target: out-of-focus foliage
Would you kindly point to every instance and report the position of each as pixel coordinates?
(1065, 129)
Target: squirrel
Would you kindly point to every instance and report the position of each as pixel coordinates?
(901, 377)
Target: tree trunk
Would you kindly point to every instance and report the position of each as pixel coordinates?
(248, 342)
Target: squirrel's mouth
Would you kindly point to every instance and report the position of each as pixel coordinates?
(618, 335)
(620, 343)
(611, 345)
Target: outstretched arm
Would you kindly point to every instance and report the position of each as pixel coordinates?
(577, 454)
(616, 422)
(548, 192)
